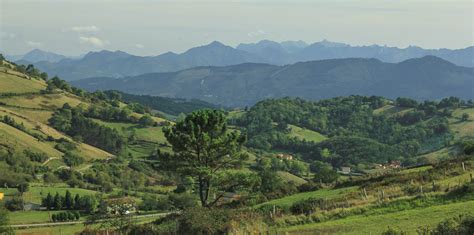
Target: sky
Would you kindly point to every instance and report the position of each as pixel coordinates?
(151, 27)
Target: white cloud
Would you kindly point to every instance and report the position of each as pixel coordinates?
(82, 29)
(97, 42)
(33, 44)
(139, 46)
(256, 33)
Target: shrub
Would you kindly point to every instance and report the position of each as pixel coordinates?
(307, 206)
(183, 200)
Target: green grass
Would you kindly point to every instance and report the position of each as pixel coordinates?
(64, 229)
(30, 217)
(19, 140)
(462, 129)
(35, 193)
(408, 220)
(43, 101)
(290, 178)
(305, 134)
(322, 193)
(71, 229)
(151, 134)
(148, 138)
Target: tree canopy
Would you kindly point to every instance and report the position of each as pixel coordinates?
(206, 150)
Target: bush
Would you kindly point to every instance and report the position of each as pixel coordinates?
(468, 147)
(307, 206)
(66, 216)
(391, 231)
(309, 186)
(183, 200)
(15, 204)
(464, 224)
(154, 202)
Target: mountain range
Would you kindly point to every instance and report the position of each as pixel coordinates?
(121, 64)
(36, 56)
(244, 84)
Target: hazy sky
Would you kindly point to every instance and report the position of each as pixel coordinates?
(150, 27)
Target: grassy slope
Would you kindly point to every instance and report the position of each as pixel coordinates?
(409, 221)
(305, 134)
(43, 101)
(322, 193)
(34, 111)
(290, 178)
(19, 140)
(12, 82)
(148, 138)
(462, 129)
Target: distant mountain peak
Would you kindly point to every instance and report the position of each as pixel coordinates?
(37, 55)
(107, 53)
(216, 44)
(327, 43)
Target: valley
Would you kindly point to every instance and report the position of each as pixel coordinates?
(360, 164)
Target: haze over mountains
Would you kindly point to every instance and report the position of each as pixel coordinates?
(121, 64)
(37, 55)
(245, 84)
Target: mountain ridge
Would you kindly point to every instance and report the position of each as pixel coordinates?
(121, 64)
(245, 84)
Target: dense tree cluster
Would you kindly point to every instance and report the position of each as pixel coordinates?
(67, 201)
(73, 122)
(66, 216)
(358, 128)
(173, 106)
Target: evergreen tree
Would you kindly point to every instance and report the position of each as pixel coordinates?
(68, 201)
(204, 149)
(77, 202)
(58, 202)
(49, 201)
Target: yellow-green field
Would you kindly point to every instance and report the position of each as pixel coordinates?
(10, 83)
(305, 134)
(19, 140)
(462, 129)
(290, 178)
(44, 101)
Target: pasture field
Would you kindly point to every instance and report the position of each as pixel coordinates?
(321, 193)
(43, 101)
(305, 134)
(13, 83)
(290, 178)
(407, 220)
(19, 140)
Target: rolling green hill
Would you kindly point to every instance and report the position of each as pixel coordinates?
(61, 140)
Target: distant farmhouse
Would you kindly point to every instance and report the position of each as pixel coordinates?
(284, 156)
(391, 165)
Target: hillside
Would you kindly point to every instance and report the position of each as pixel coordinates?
(22, 101)
(100, 147)
(245, 84)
